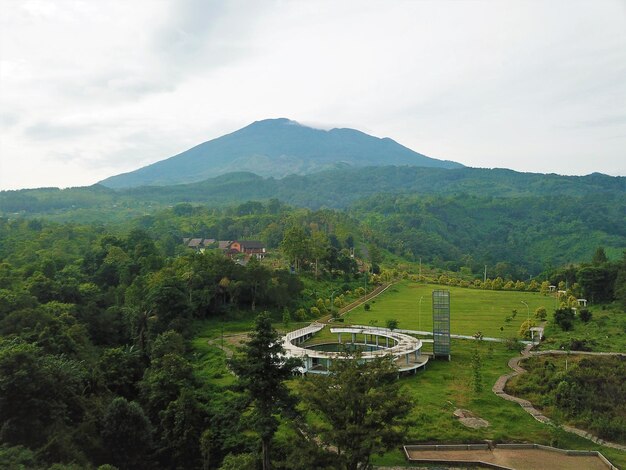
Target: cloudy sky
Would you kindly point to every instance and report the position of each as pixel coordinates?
(89, 89)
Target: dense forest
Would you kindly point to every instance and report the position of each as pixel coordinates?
(450, 218)
(93, 351)
(529, 234)
(337, 188)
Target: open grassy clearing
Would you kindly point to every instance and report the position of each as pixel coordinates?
(209, 358)
(472, 310)
(444, 386)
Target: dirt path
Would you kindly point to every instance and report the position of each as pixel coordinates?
(498, 389)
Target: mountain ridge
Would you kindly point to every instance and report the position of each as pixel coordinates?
(276, 148)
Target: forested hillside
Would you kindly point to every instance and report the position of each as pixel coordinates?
(338, 188)
(526, 235)
(450, 217)
(93, 329)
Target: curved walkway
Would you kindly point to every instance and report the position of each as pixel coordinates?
(498, 389)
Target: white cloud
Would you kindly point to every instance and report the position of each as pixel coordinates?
(91, 89)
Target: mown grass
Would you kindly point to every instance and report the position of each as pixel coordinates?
(472, 310)
(443, 386)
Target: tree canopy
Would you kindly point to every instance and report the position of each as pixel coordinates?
(360, 408)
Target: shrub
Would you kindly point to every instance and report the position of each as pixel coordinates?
(367, 307)
(300, 314)
(392, 324)
(564, 317)
(286, 317)
(585, 315)
(541, 313)
(524, 329)
(578, 345)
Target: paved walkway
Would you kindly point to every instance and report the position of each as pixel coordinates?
(500, 384)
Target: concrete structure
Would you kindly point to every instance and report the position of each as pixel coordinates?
(536, 331)
(405, 349)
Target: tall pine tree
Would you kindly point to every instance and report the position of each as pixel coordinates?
(262, 371)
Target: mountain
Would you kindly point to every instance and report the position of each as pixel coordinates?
(276, 148)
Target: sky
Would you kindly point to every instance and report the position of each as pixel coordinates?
(90, 89)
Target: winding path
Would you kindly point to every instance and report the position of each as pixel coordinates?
(498, 389)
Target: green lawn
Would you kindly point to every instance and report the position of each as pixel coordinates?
(471, 310)
(443, 386)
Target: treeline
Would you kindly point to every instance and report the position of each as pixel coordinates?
(337, 188)
(599, 280)
(515, 237)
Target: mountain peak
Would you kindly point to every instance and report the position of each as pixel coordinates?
(274, 122)
(277, 148)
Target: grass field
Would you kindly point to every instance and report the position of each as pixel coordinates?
(472, 310)
(443, 386)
